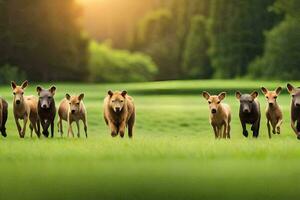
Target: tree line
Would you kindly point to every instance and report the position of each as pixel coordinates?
(175, 39)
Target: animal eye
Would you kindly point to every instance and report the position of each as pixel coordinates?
(49, 97)
(70, 103)
(267, 97)
(293, 95)
(113, 101)
(121, 101)
(219, 102)
(14, 93)
(250, 101)
(77, 103)
(275, 97)
(22, 93)
(209, 102)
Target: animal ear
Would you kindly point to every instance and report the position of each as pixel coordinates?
(13, 85)
(222, 96)
(81, 96)
(38, 89)
(68, 97)
(290, 88)
(124, 93)
(24, 84)
(264, 90)
(52, 90)
(238, 95)
(254, 94)
(278, 90)
(110, 93)
(206, 95)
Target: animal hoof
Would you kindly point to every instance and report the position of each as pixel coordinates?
(4, 134)
(122, 134)
(114, 134)
(245, 133)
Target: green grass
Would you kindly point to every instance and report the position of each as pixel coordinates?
(173, 154)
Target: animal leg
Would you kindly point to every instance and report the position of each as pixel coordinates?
(59, 126)
(255, 128)
(228, 131)
(215, 131)
(245, 132)
(18, 126)
(23, 131)
(70, 130)
(52, 128)
(279, 123)
(78, 129)
(85, 126)
(122, 129)
(269, 129)
(224, 131)
(114, 130)
(130, 125)
(45, 126)
(31, 129)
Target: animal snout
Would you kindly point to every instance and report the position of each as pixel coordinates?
(118, 109)
(246, 111)
(271, 104)
(18, 101)
(44, 106)
(72, 111)
(213, 111)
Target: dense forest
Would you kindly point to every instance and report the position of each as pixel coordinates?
(101, 41)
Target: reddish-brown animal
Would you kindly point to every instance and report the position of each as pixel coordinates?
(25, 107)
(273, 111)
(119, 112)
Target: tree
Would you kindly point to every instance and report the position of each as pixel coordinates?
(196, 62)
(282, 49)
(43, 38)
(237, 34)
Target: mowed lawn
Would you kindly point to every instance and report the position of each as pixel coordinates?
(173, 154)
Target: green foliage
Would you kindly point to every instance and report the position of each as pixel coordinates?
(236, 32)
(9, 73)
(43, 38)
(196, 62)
(281, 57)
(109, 65)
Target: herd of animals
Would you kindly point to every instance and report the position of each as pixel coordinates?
(249, 112)
(119, 112)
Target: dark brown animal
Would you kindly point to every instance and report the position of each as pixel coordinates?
(25, 107)
(273, 111)
(46, 109)
(249, 112)
(295, 109)
(3, 116)
(119, 112)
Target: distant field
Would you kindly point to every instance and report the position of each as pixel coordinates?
(173, 154)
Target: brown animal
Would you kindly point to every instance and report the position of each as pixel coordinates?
(3, 116)
(273, 111)
(295, 109)
(72, 109)
(220, 114)
(119, 112)
(24, 108)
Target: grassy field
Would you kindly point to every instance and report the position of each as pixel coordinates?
(173, 154)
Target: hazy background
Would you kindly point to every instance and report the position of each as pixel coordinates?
(145, 40)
